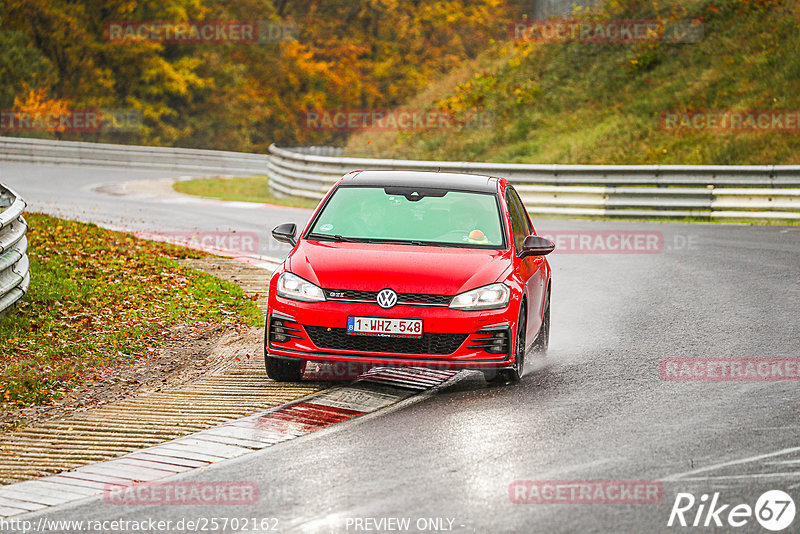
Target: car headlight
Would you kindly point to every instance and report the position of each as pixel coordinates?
(484, 298)
(293, 287)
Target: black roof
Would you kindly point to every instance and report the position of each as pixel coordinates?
(423, 179)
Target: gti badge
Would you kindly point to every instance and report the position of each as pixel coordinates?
(387, 298)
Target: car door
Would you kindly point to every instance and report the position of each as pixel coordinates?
(529, 268)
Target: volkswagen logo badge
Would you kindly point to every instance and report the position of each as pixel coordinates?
(386, 298)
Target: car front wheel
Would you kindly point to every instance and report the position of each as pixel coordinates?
(543, 339)
(513, 373)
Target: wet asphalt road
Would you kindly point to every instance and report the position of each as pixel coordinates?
(596, 408)
(93, 194)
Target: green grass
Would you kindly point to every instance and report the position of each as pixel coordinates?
(601, 103)
(98, 299)
(243, 189)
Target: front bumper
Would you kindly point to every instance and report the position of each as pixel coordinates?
(453, 339)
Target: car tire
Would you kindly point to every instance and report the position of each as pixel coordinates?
(284, 370)
(514, 373)
(543, 339)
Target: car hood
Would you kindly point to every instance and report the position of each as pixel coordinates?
(403, 268)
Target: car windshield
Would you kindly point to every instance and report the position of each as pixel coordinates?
(416, 216)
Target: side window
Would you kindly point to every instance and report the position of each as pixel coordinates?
(520, 226)
(526, 221)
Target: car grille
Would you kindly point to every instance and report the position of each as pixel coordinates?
(339, 339)
(402, 298)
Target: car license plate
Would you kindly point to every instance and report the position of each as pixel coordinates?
(383, 326)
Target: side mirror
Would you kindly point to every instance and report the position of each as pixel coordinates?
(285, 233)
(536, 246)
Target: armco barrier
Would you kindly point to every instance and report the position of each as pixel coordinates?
(713, 192)
(672, 191)
(14, 271)
(184, 160)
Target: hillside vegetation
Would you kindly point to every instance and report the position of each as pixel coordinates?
(66, 55)
(602, 103)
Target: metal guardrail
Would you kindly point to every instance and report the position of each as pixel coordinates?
(671, 191)
(15, 273)
(544, 9)
(129, 156)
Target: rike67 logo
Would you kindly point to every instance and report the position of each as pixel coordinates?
(774, 510)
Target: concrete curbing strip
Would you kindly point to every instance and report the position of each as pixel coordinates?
(369, 394)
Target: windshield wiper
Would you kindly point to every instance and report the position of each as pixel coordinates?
(386, 240)
(328, 237)
(404, 242)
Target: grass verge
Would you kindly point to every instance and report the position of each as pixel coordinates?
(242, 189)
(99, 299)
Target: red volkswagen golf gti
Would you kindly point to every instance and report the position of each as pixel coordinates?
(405, 268)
